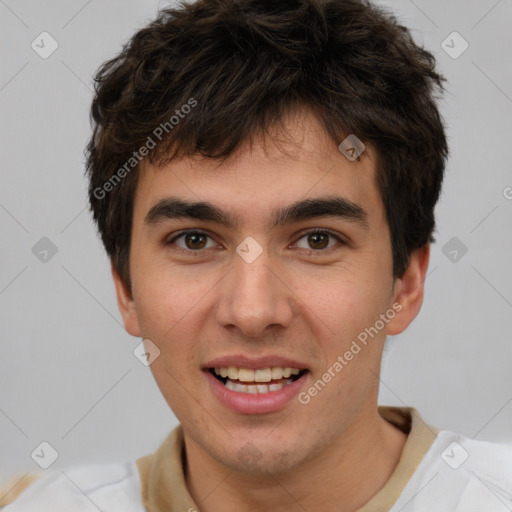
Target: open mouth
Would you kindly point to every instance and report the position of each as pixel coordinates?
(264, 380)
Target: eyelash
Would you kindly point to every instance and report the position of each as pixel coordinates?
(315, 231)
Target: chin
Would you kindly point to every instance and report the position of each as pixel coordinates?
(252, 461)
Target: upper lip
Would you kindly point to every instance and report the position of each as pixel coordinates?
(255, 363)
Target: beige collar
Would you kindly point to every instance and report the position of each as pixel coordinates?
(163, 480)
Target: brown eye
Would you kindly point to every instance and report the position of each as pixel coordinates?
(319, 240)
(195, 241)
(192, 241)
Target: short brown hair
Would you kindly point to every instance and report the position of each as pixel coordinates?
(243, 65)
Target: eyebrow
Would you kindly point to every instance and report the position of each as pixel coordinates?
(332, 206)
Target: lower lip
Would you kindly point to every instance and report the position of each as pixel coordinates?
(258, 403)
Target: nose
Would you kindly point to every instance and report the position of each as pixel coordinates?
(254, 299)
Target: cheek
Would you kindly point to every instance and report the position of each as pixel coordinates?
(173, 388)
(341, 305)
(172, 308)
(166, 295)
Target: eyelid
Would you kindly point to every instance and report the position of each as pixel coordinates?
(323, 231)
(302, 234)
(183, 233)
(312, 231)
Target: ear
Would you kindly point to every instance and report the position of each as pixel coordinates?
(126, 305)
(408, 291)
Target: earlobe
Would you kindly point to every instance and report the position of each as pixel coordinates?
(126, 304)
(408, 292)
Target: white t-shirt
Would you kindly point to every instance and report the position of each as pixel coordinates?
(481, 483)
(109, 488)
(455, 474)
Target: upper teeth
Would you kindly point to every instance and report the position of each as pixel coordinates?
(260, 375)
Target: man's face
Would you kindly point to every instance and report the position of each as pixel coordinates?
(298, 304)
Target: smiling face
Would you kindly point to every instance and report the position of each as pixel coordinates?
(283, 298)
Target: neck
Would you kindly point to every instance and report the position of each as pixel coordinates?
(345, 476)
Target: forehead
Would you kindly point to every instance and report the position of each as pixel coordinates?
(263, 177)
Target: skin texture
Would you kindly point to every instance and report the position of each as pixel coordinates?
(335, 452)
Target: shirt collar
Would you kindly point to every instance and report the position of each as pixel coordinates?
(162, 474)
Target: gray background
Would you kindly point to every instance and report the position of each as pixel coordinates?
(67, 372)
